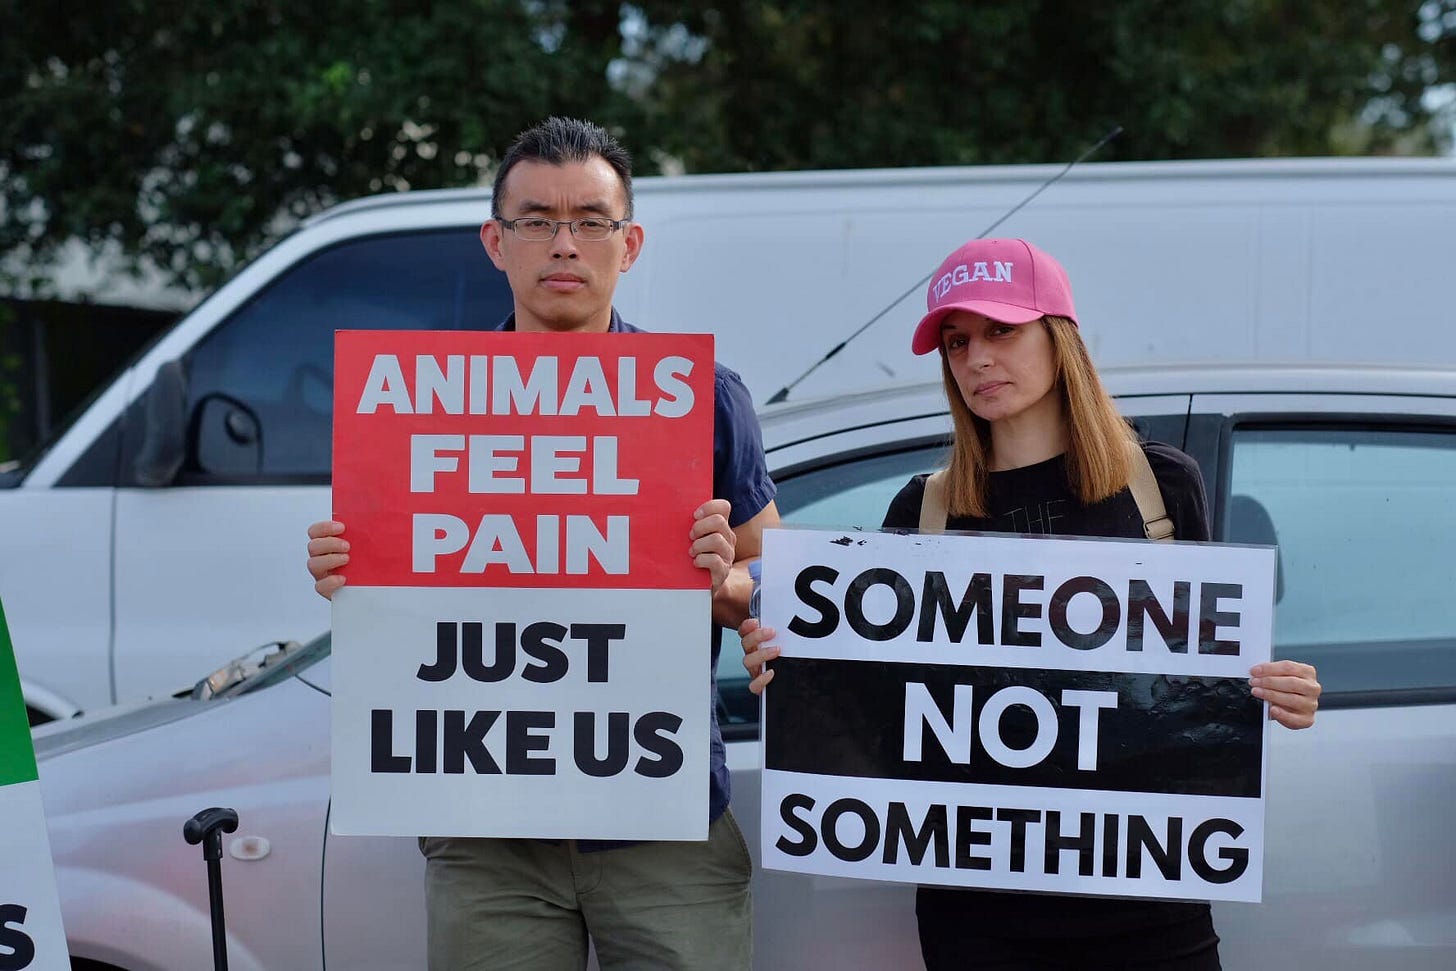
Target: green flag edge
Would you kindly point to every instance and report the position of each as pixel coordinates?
(17, 755)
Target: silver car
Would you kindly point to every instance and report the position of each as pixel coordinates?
(1349, 470)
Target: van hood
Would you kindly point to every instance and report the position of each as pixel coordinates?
(259, 669)
(105, 724)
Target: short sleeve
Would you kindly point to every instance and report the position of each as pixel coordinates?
(740, 470)
(904, 511)
(1181, 483)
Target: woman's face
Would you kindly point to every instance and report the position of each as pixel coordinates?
(1003, 370)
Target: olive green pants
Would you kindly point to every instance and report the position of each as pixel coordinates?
(529, 905)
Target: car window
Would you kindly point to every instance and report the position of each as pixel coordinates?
(854, 493)
(850, 493)
(260, 386)
(1365, 527)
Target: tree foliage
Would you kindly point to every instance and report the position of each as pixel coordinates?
(193, 134)
(825, 85)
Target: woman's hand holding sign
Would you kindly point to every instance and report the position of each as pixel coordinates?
(1290, 689)
(757, 652)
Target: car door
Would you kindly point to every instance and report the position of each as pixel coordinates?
(844, 478)
(1355, 490)
(58, 605)
(213, 562)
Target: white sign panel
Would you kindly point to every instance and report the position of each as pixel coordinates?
(511, 713)
(1003, 712)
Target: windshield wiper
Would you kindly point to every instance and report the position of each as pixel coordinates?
(235, 672)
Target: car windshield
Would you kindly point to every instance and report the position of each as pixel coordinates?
(14, 470)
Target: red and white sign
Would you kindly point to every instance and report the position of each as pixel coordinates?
(522, 646)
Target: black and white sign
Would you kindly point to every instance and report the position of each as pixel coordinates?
(1036, 714)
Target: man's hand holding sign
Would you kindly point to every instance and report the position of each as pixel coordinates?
(510, 648)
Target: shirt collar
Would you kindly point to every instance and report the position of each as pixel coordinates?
(617, 326)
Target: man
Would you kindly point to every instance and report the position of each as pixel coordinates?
(562, 232)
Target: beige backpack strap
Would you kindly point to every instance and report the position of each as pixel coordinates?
(1144, 486)
(932, 504)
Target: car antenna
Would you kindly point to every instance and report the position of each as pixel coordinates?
(783, 393)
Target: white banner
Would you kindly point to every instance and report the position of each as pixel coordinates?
(1004, 712)
(521, 713)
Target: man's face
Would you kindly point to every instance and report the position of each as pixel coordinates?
(562, 283)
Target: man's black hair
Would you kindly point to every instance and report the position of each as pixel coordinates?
(557, 141)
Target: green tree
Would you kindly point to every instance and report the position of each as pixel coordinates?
(194, 134)
(852, 83)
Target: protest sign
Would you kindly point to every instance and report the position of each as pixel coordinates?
(522, 646)
(1017, 713)
(31, 936)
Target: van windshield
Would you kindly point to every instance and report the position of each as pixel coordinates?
(116, 339)
(272, 357)
(15, 470)
(12, 472)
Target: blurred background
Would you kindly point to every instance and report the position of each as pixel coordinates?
(148, 149)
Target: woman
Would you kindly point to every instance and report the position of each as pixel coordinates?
(1040, 448)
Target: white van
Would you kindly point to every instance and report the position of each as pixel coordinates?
(1358, 841)
(161, 533)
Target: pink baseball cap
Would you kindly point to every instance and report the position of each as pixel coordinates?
(1008, 280)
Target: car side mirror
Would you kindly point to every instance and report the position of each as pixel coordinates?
(164, 435)
(226, 436)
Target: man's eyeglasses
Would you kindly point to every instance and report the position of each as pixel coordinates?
(587, 228)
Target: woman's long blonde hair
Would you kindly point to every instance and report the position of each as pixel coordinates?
(1098, 437)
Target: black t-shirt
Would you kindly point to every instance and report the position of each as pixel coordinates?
(1036, 500)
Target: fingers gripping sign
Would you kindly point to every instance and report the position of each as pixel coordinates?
(328, 551)
(1291, 689)
(757, 652)
(712, 540)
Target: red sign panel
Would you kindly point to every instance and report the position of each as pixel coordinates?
(522, 460)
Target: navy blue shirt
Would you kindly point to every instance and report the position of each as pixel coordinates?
(740, 475)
